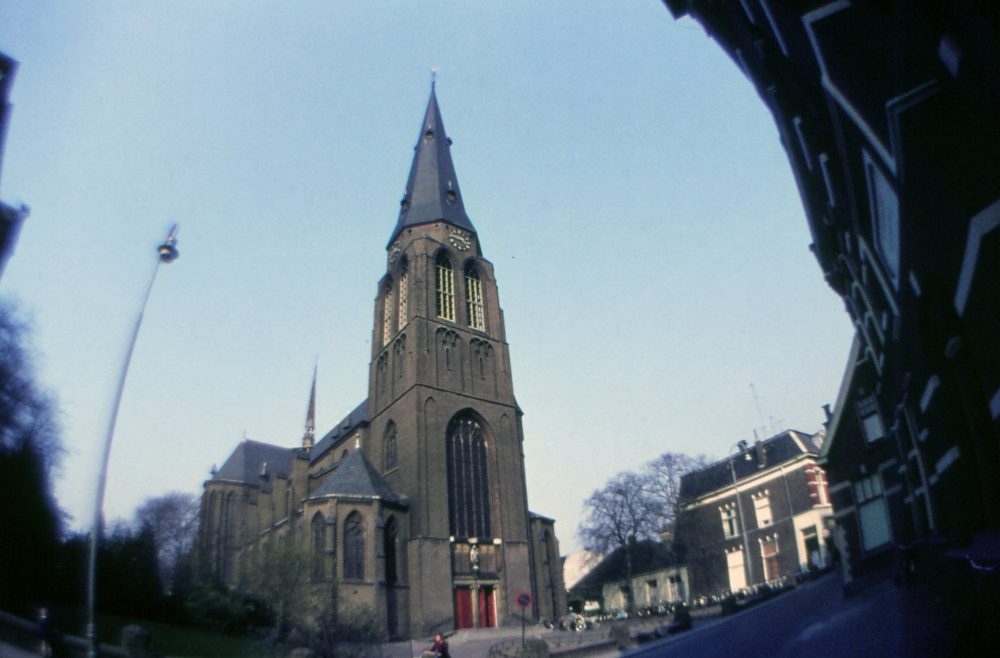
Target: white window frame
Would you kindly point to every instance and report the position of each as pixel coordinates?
(730, 524)
(445, 289)
(387, 316)
(873, 514)
(762, 509)
(737, 571)
(474, 299)
(403, 289)
(871, 421)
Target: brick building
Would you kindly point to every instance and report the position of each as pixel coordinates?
(414, 505)
(757, 517)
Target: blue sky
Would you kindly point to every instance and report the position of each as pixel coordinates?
(627, 183)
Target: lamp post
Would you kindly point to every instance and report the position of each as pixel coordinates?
(167, 253)
(742, 447)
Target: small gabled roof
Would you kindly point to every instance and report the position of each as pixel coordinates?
(247, 462)
(356, 477)
(344, 427)
(778, 449)
(648, 555)
(432, 192)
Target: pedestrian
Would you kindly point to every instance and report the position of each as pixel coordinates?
(440, 647)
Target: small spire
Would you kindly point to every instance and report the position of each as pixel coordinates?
(309, 439)
(434, 75)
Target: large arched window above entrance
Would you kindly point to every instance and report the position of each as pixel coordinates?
(474, 298)
(468, 482)
(445, 288)
(354, 547)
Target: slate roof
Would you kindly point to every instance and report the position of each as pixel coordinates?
(355, 476)
(247, 461)
(432, 178)
(778, 449)
(648, 555)
(348, 423)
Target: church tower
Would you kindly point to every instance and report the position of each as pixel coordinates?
(445, 429)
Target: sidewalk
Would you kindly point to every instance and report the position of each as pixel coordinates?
(10, 651)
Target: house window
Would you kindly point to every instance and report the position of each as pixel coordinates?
(884, 206)
(319, 546)
(354, 547)
(468, 482)
(445, 289)
(872, 513)
(474, 298)
(402, 297)
(769, 551)
(870, 421)
(729, 525)
(390, 448)
(737, 577)
(762, 506)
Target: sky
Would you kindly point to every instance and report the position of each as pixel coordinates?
(625, 180)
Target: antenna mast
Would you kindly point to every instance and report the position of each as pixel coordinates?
(760, 416)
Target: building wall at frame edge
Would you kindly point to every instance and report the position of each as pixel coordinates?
(893, 140)
(649, 595)
(549, 595)
(794, 510)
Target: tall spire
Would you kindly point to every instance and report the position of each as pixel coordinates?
(309, 439)
(432, 192)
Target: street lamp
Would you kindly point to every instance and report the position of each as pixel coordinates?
(742, 448)
(167, 254)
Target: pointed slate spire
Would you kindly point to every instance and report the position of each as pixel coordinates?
(310, 436)
(432, 192)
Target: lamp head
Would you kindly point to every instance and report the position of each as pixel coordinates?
(168, 252)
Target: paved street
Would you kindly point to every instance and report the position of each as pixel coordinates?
(814, 620)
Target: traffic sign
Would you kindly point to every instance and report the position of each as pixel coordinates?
(523, 600)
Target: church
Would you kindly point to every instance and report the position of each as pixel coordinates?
(414, 506)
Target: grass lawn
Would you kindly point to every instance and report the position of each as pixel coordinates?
(185, 641)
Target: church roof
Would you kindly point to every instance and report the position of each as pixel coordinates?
(247, 462)
(776, 450)
(355, 476)
(432, 192)
(350, 421)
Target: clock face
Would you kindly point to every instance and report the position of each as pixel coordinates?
(397, 248)
(459, 240)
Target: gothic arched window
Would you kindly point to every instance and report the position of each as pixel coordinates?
(390, 550)
(354, 547)
(445, 288)
(390, 447)
(387, 313)
(403, 317)
(468, 483)
(474, 298)
(319, 546)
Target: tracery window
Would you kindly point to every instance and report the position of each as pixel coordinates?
(319, 546)
(390, 448)
(354, 547)
(387, 314)
(403, 317)
(445, 288)
(468, 482)
(474, 298)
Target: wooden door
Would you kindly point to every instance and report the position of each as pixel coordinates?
(463, 608)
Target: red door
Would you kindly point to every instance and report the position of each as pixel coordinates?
(487, 612)
(463, 608)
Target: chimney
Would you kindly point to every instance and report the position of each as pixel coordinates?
(759, 447)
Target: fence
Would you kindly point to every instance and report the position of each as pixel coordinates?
(402, 649)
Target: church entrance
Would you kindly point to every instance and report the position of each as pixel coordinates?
(463, 608)
(487, 608)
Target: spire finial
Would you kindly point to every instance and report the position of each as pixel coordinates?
(434, 74)
(309, 438)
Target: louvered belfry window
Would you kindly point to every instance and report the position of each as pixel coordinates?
(474, 298)
(402, 299)
(468, 481)
(387, 315)
(445, 289)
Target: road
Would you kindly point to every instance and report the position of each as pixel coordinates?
(813, 620)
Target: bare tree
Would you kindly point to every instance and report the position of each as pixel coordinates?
(173, 518)
(664, 484)
(618, 515)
